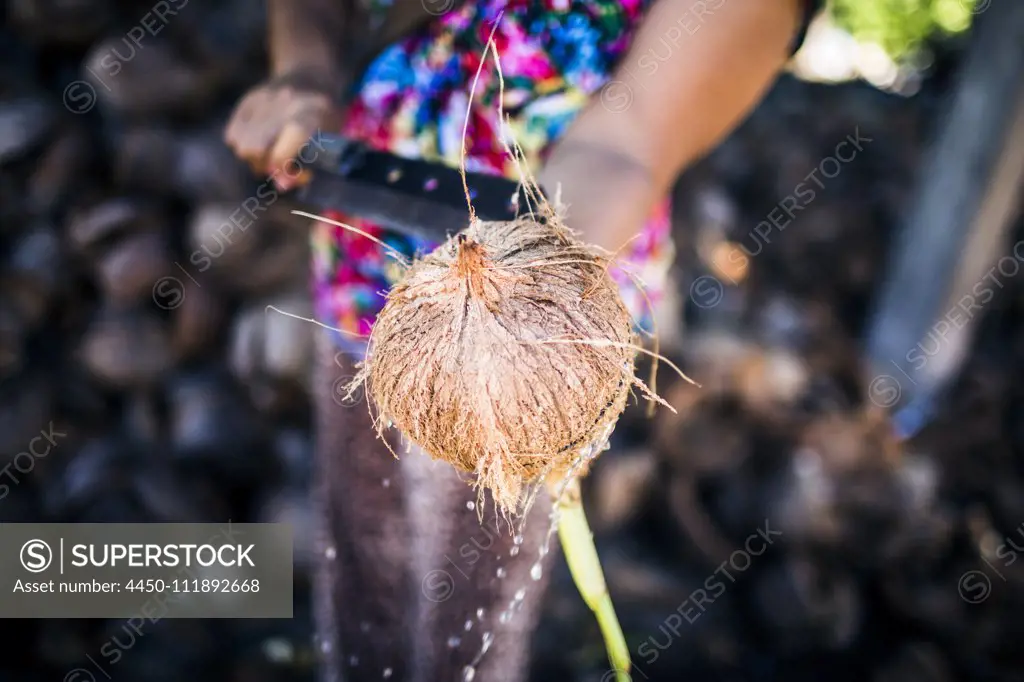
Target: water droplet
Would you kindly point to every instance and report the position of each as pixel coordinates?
(364, 627)
(537, 571)
(488, 640)
(520, 594)
(331, 553)
(505, 617)
(388, 424)
(471, 505)
(468, 673)
(468, 626)
(501, 572)
(278, 650)
(353, 661)
(325, 647)
(386, 482)
(517, 542)
(479, 614)
(387, 673)
(454, 641)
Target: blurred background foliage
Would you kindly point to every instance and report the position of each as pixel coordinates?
(903, 27)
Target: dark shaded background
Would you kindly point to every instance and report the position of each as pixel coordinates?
(182, 399)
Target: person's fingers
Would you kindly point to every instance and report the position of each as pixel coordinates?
(270, 127)
(306, 113)
(258, 129)
(239, 117)
(235, 134)
(291, 139)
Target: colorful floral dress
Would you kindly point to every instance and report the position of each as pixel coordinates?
(412, 101)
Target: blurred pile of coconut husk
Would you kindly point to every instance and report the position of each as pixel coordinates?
(133, 315)
(134, 323)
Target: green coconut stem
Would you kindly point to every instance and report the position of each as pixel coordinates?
(585, 567)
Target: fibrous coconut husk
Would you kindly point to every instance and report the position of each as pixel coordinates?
(506, 352)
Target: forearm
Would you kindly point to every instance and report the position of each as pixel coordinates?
(695, 69)
(304, 38)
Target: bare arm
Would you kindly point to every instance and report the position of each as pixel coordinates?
(304, 36)
(695, 69)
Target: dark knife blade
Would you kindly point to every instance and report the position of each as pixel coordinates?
(405, 195)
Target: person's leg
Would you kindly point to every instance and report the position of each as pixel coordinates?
(364, 600)
(478, 603)
(411, 585)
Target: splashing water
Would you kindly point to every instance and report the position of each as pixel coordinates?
(587, 454)
(537, 570)
(469, 672)
(515, 605)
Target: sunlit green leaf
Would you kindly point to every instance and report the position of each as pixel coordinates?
(901, 26)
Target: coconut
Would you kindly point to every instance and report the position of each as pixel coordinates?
(505, 352)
